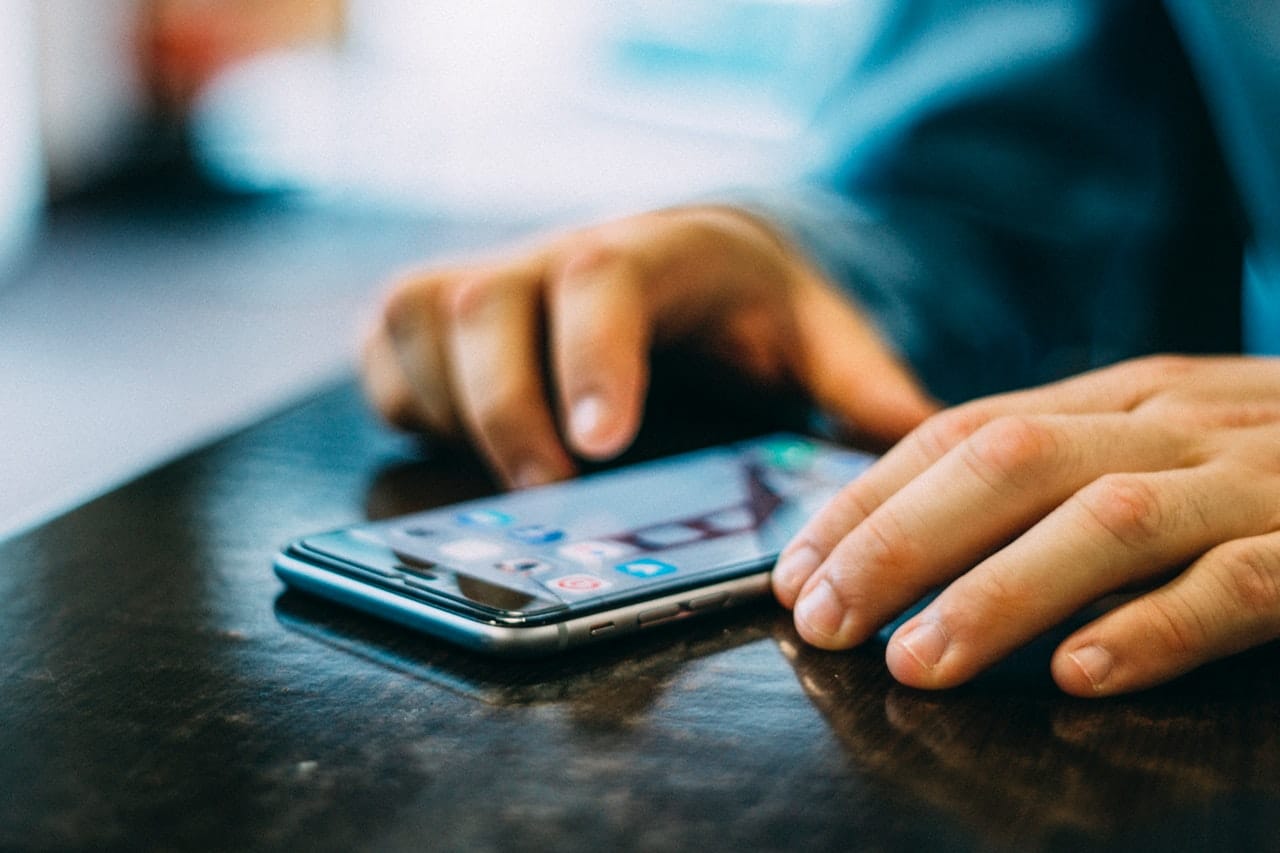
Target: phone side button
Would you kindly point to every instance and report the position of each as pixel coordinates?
(601, 629)
(381, 571)
(418, 583)
(706, 602)
(658, 614)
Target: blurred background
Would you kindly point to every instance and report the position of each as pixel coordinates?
(199, 199)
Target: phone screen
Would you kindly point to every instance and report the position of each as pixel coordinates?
(607, 538)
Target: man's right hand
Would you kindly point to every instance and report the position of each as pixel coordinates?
(459, 353)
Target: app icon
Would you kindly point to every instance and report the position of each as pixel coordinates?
(536, 534)
(524, 566)
(646, 568)
(593, 552)
(667, 535)
(471, 549)
(579, 584)
(483, 518)
(790, 454)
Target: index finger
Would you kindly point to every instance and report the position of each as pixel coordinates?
(599, 328)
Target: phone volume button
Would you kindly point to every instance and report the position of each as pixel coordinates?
(381, 572)
(658, 614)
(417, 583)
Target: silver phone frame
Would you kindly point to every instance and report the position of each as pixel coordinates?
(519, 640)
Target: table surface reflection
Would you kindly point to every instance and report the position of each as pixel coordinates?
(160, 690)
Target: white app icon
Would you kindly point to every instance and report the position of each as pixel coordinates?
(593, 552)
(471, 549)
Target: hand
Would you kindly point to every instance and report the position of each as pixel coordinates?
(459, 352)
(1029, 506)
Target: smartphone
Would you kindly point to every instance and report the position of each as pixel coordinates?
(573, 563)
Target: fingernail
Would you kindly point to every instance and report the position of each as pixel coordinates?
(794, 569)
(821, 611)
(586, 417)
(530, 474)
(1095, 662)
(926, 642)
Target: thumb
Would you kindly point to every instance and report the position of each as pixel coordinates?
(851, 373)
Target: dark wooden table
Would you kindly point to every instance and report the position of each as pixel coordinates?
(160, 691)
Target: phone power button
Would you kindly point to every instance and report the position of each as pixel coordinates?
(706, 602)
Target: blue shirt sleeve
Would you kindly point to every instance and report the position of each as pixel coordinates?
(1017, 190)
(1234, 46)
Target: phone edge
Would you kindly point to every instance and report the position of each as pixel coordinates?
(526, 641)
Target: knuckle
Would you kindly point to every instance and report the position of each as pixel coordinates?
(1010, 447)
(882, 546)
(1125, 506)
(1174, 627)
(591, 257)
(1251, 578)
(1000, 592)
(950, 427)
(411, 303)
(468, 296)
(852, 504)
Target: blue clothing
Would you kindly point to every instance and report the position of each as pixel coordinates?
(1022, 189)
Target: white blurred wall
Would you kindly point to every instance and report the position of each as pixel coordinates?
(21, 170)
(536, 110)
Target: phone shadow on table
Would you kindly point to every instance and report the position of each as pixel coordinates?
(622, 677)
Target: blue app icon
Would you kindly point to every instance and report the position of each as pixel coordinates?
(483, 518)
(536, 534)
(646, 568)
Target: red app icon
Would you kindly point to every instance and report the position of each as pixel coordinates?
(579, 584)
